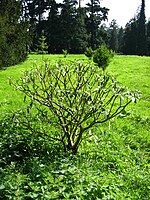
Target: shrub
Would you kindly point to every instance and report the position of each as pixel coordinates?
(102, 56)
(42, 45)
(73, 97)
(89, 52)
(22, 141)
(65, 53)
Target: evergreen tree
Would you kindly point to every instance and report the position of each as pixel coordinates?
(95, 15)
(113, 36)
(102, 34)
(42, 45)
(67, 27)
(36, 8)
(80, 38)
(67, 21)
(130, 38)
(13, 29)
(34, 11)
(148, 38)
(142, 46)
(135, 42)
(120, 39)
(53, 28)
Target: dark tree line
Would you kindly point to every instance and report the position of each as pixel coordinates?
(134, 39)
(73, 28)
(135, 34)
(66, 26)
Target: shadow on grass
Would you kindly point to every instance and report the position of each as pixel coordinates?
(21, 146)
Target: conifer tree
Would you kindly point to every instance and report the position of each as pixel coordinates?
(135, 34)
(79, 36)
(148, 38)
(113, 36)
(67, 26)
(53, 28)
(130, 38)
(120, 39)
(95, 15)
(67, 21)
(141, 40)
(13, 29)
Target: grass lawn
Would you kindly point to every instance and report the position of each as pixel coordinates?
(12, 100)
(133, 71)
(112, 164)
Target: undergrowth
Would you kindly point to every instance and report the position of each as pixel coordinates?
(112, 163)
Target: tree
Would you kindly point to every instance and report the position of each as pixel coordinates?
(42, 45)
(130, 45)
(142, 46)
(36, 8)
(72, 98)
(34, 13)
(14, 36)
(120, 39)
(79, 36)
(67, 26)
(148, 38)
(135, 34)
(102, 57)
(67, 22)
(95, 15)
(113, 36)
(53, 28)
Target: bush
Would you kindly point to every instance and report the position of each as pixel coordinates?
(102, 57)
(65, 53)
(89, 52)
(41, 47)
(72, 97)
(22, 140)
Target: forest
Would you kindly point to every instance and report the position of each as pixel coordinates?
(47, 25)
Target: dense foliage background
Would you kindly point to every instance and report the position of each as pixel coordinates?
(27, 25)
(69, 26)
(13, 33)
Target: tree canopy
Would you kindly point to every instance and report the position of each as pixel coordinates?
(135, 36)
(13, 31)
(66, 26)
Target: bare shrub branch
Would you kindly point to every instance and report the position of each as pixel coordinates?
(77, 94)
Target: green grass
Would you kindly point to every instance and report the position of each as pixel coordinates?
(133, 71)
(11, 100)
(112, 164)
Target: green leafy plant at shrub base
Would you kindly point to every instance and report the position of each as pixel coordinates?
(107, 166)
(73, 96)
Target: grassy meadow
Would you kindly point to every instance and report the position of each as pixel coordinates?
(112, 164)
(10, 100)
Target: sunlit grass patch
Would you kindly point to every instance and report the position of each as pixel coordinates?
(113, 162)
